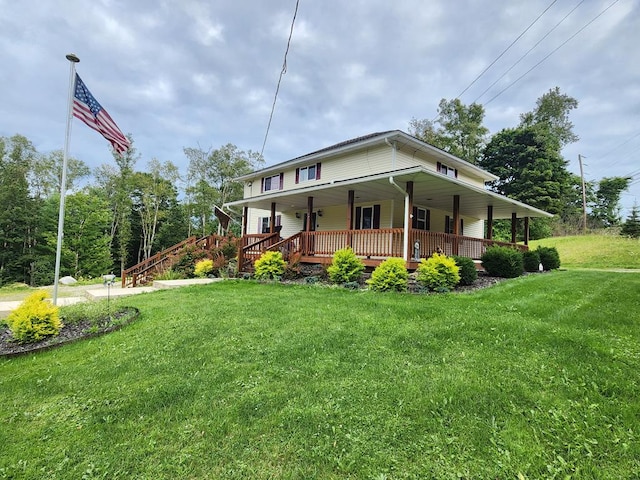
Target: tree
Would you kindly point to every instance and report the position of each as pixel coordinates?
(552, 114)
(531, 170)
(115, 185)
(606, 209)
(19, 211)
(460, 130)
(46, 176)
(151, 195)
(631, 227)
(85, 250)
(211, 180)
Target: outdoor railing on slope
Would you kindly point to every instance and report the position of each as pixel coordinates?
(143, 271)
(287, 246)
(252, 246)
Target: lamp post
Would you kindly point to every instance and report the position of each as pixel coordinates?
(107, 281)
(73, 59)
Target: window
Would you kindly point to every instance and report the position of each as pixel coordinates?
(272, 183)
(264, 223)
(446, 170)
(421, 219)
(367, 217)
(308, 173)
(448, 225)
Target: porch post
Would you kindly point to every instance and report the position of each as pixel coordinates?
(490, 222)
(526, 231)
(272, 228)
(514, 226)
(350, 202)
(408, 223)
(309, 213)
(456, 222)
(245, 220)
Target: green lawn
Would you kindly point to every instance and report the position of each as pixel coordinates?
(595, 251)
(538, 376)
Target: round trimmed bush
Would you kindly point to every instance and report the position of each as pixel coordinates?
(34, 319)
(345, 267)
(468, 271)
(503, 262)
(549, 257)
(390, 275)
(270, 266)
(531, 261)
(438, 272)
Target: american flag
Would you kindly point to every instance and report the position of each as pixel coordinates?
(87, 109)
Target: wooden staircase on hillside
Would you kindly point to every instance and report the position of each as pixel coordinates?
(144, 271)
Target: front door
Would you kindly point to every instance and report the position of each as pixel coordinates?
(310, 246)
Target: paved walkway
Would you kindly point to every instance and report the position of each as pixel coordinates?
(93, 292)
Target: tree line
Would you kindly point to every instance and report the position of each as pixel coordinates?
(116, 215)
(121, 213)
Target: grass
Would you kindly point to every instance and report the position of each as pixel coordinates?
(538, 376)
(595, 251)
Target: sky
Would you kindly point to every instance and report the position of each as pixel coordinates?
(202, 74)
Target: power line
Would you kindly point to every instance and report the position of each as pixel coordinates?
(552, 52)
(507, 49)
(528, 51)
(282, 72)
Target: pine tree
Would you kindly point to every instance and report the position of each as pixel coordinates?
(631, 228)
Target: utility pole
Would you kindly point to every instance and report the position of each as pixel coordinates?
(584, 196)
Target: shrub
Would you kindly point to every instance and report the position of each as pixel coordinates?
(549, 257)
(184, 261)
(468, 271)
(390, 275)
(270, 266)
(531, 261)
(169, 274)
(34, 319)
(438, 272)
(345, 267)
(503, 262)
(203, 268)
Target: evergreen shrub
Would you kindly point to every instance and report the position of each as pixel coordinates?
(203, 268)
(345, 267)
(531, 261)
(390, 275)
(34, 319)
(270, 266)
(468, 271)
(438, 273)
(503, 262)
(549, 257)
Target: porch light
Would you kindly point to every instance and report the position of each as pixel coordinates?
(297, 214)
(319, 213)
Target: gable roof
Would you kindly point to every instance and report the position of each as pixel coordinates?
(372, 139)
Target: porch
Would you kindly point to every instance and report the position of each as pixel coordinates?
(372, 246)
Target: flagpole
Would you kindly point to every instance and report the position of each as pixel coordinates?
(73, 59)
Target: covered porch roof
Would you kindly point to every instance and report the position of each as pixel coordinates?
(430, 189)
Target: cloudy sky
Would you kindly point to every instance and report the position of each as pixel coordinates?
(189, 73)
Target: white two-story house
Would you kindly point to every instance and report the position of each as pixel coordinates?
(386, 195)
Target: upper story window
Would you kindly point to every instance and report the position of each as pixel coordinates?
(272, 183)
(447, 170)
(308, 173)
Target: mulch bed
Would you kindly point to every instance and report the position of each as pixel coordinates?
(68, 333)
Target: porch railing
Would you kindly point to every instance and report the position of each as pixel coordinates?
(369, 244)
